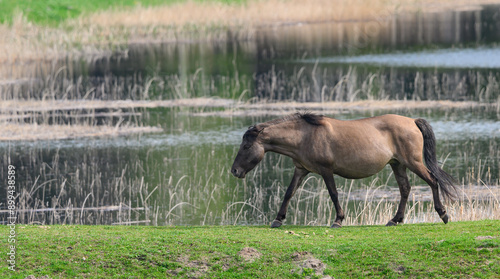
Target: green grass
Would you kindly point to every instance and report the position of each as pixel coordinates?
(53, 12)
(456, 250)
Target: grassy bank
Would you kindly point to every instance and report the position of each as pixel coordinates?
(456, 250)
(56, 11)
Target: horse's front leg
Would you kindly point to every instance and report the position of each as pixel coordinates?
(334, 195)
(298, 176)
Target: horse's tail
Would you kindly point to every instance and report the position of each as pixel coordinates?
(446, 182)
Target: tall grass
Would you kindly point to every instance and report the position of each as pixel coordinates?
(174, 186)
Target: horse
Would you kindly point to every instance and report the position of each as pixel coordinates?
(352, 149)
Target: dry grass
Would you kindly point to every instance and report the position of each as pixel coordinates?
(254, 13)
(94, 34)
(209, 196)
(258, 13)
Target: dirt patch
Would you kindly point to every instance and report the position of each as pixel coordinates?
(196, 268)
(301, 256)
(315, 264)
(199, 268)
(306, 261)
(249, 254)
(399, 269)
(485, 237)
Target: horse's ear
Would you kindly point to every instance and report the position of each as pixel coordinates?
(255, 130)
(252, 133)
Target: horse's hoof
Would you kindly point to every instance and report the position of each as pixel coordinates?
(336, 226)
(391, 223)
(276, 224)
(445, 218)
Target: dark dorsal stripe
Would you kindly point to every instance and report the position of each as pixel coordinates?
(311, 118)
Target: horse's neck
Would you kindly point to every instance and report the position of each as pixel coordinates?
(283, 139)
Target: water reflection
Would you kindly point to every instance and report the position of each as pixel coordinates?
(383, 33)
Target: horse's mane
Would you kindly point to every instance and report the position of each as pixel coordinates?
(309, 117)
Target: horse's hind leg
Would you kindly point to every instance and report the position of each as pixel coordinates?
(298, 176)
(404, 189)
(334, 195)
(424, 173)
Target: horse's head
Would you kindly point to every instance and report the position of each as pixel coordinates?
(250, 154)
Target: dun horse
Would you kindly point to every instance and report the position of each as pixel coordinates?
(352, 149)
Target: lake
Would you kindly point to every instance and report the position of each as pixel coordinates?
(181, 174)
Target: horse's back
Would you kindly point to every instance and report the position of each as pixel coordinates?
(360, 148)
(383, 125)
(387, 121)
(402, 135)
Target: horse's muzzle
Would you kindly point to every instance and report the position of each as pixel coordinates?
(239, 173)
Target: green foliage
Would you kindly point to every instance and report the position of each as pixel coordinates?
(455, 250)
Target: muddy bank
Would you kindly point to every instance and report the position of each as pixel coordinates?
(283, 108)
(233, 107)
(33, 132)
(65, 105)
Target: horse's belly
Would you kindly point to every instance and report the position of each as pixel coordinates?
(354, 169)
(355, 174)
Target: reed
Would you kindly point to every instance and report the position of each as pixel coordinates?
(63, 82)
(349, 84)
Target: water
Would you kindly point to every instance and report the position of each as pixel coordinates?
(468, 58)
(181, 176)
